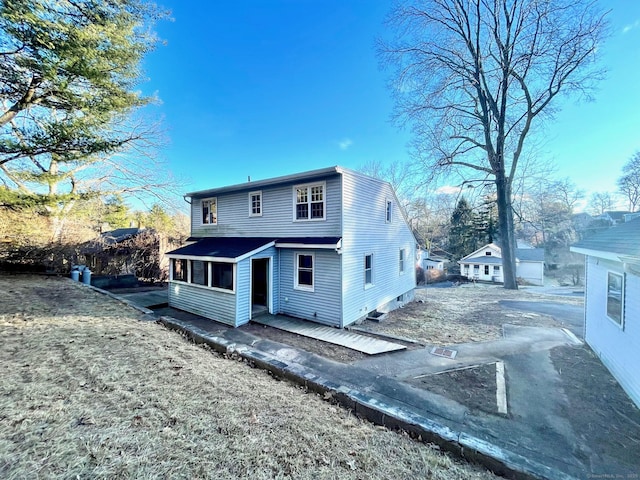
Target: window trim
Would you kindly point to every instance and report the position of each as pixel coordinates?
(388, 211)
(251, 195)
(370, 269)
(202, 202)
(296, 271)
(620, 323)
(209, 286)
(308, 186)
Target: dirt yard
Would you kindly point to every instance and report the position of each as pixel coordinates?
(466, 313)
(90, 391)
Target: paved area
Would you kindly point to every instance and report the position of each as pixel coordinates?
(570, 316)
(568, 418)
(361, 343)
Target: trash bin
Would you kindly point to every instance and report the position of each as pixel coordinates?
(75, 274)
(86, 276)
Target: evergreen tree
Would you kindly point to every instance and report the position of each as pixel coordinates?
(462, 237)
(68, 80)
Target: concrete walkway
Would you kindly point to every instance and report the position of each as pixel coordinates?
(336, 336)
(547, 433)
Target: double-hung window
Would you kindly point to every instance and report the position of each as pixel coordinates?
(615, 297)
(401, 261)
(304, 271)
(309, 202)
(255, 204)
(368, 270)
(210, 211)
(388, 210)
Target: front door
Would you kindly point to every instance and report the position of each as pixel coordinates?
(259, 285)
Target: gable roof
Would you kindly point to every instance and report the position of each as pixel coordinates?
(522, 255)
(614, 242)
(248, 186)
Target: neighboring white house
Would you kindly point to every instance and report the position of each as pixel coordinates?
(329, 246)
(427, 262)
(612, 301)
(485, 264)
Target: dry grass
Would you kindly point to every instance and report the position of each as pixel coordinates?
(89, 391)
(462, 314)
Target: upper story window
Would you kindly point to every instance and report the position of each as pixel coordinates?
(255, 204)
(309, 202)
(388, 211)
(487, 253)
(210, 211)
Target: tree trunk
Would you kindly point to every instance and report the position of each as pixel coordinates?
(505, 227)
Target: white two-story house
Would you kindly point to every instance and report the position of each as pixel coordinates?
(329, 245)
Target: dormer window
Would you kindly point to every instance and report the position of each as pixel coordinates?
(210, 211)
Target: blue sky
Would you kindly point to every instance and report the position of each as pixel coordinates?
(263, 88)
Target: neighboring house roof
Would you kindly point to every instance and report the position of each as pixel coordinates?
(111, 238)
(522, 254)
(236, 248)
(530, 254)
(621, 240)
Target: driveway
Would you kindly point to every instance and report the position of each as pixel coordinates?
(568, 316)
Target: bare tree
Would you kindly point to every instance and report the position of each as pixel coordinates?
(629, 182)
(601, 202)
(474, 77)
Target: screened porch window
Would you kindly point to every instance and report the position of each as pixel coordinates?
(222, 275)
(179, 269)
(200, 272)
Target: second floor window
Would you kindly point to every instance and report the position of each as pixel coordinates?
(210, 211)
(255, 204)
(310, 202)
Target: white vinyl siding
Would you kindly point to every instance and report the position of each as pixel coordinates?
(209, 303)
(276, 221)
(323, 304)
(369, 234)
(617, 347)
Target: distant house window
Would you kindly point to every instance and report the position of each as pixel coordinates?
(255, 204)
(496, 269)
(476, 269)
(309, 202)
(401, 261)
(487, 253)
(466, 270)
(486, 269)
(199, 272)
(210, 211)
(179, 269)
(368, 270)
(615, 297)
(304, 271)
(388, 211)
(222, 275)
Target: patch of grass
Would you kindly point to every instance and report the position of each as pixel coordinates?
(89, 391)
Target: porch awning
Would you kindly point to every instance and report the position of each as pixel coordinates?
(234, 249)
(223, 248)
